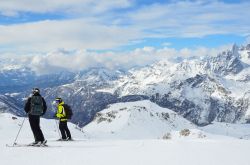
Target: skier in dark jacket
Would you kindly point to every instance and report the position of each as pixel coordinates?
(35, 107)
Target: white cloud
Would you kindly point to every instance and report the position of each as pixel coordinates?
(95, 25)
(82, 59)
(69, 34)
(192, 19)
(166, 44)
(63, 6)
(247, 40)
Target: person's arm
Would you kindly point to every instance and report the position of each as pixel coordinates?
(44, 106)
(27, 106)
(59, 113)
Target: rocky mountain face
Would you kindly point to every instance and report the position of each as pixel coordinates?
(86, 95)
(20, 79)
(212, 89)
(15, 79)
(8, 104)
(202, 91)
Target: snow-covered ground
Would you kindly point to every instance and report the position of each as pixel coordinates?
(221, 146)
(132, 152)
(135, 120)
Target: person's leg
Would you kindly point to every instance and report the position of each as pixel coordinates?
(67, 131)
(32, 122)
(35, 120)
(39, 131)
(62, 129)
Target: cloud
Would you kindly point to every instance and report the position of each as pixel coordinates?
(50, 35)
(100, 25)
(166, 44)
(77, 60)
(247, 40)
(62, 6)
(192, 19)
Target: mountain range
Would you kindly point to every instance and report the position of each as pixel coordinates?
(204, 90)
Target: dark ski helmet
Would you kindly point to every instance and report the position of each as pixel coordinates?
(35, 90)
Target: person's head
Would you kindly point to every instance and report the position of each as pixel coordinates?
(35, 91)
(58, 100)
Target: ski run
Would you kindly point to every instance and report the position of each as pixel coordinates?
(117, 141)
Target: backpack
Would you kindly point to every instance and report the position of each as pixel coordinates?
(68, 111)
(36, 105)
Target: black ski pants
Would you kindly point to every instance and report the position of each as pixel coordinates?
(64, 130)
(35, 127)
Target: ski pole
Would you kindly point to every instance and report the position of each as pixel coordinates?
(57, 129)
(19, 131)
(54, 108)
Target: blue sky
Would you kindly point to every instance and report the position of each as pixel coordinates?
(104, 32)
(121, 24)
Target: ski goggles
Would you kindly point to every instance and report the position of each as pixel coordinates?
(58, 100)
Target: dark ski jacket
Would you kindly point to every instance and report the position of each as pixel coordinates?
(27, 105)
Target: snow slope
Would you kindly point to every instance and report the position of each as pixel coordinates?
(146, 120)
(140, 120)
(123, 152)
(240, 131)
(9, 125)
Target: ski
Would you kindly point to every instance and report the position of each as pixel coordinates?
(61, 140)
(27, 145)
(72, 140)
